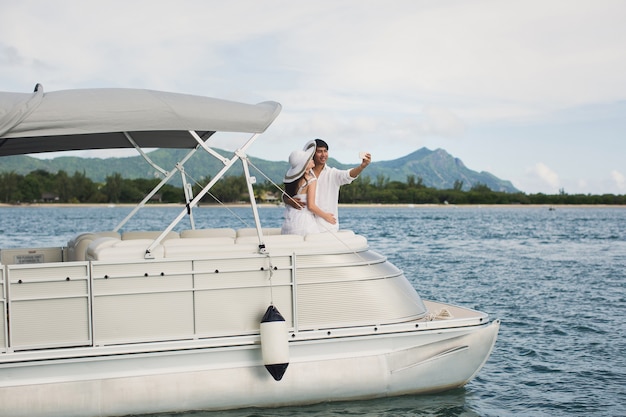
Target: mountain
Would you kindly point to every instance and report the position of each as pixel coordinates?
(437, 169)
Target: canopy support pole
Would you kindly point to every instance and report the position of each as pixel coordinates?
(229, 163)
(143, 154)
(249, 181)
(165, 180)
(188, 196)
(206, 148)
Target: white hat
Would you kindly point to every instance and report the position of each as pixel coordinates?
(298, 160)
(310, 144)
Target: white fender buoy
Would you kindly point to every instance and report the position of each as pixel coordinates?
(274, 343)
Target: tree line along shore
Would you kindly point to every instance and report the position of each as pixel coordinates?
(42, 187)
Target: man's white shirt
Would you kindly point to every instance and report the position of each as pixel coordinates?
(329, 182)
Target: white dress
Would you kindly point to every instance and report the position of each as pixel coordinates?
(299, 222)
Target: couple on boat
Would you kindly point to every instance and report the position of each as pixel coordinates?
(312, 189)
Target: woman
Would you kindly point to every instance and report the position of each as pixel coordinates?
(301, 183)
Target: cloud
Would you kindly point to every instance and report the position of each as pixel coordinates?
(423, 51)
(619, 179)
(9, 56)
(459, 49)
(439, 120)
(387, 77)
(541, 178)
(546, 175)
(387, 134)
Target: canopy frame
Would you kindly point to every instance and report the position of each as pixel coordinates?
(168, 175)
(239, 155)
(88, 119)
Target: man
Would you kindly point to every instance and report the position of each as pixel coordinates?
(329, 180)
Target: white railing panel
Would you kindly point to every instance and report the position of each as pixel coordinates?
(48, 305)
(3, 317)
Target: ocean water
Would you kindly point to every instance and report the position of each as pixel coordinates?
(556, 279)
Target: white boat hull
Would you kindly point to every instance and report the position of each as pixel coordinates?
(124, 321)
(333, 368)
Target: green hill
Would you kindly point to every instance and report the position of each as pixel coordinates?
(437, 168)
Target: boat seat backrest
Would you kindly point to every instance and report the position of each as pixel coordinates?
(251, 231)
(202, 233)
(197, 247)
(201, 243)
(77, 247)
(111, 249)
(152, 234)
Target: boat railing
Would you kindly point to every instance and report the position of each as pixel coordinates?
(203, 287)
(3, 313)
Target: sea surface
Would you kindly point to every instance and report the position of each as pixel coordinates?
(555, 277)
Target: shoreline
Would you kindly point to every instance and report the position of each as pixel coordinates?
(265, 205)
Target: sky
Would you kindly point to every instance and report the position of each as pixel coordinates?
(532, 91)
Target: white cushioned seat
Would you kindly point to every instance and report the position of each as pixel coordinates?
(111, 249)
(199, 233)
(77, 247)
(251, 231)
(197, 247)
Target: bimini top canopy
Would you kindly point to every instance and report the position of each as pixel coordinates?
(97, 119)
